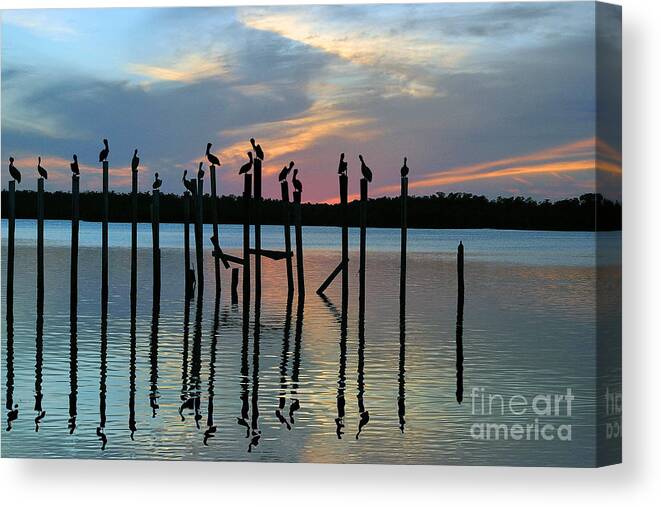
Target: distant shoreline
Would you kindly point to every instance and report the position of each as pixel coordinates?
(588, 212)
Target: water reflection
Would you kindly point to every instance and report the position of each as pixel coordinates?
(295, 404)
(341, 317)
(103, 375)
(38, 372)
(242, 420)
(401, 394)
(184, 360)
(12, 408)
(73, 373)
(362, 411)
(132, 423)
(284, 359)
(153, 359)
(191, 395)
(459, 335)
(211, 427)
(255, 432)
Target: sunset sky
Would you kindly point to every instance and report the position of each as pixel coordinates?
(494, 99)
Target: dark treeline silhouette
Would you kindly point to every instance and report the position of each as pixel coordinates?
(441, 210)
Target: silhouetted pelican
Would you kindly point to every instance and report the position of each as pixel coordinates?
(404, 170)
(343, 166)
(42, 172)
(187, 183)
(248, 165)
(367, 173)
(103, 154)
(285, 171)
(135, 161)
(258, 149)
(200, 171)
(157, 182)
(15, 173)
(74, 165)
(296, 182)
(213, 159)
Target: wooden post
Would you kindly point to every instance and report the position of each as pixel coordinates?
(257, 167)
(40, 247)
(247, 192)
(199, 248)
(286, 218)
(134, 241)
(104, 243)
(363, 237)
(75, 209)
(344, 180)
(214, 219)
(404, 236)
(235, 286)
(299, 245)
(330, 278)
(10, 251)
(460, 324)
(187, 199)
(156, 245)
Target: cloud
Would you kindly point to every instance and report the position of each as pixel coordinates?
(40, 22)
(192, 68)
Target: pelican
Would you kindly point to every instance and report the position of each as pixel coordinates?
(258, 149)
(187, 183)
(200, 171)
(157, 182)
(42, 172)
(285, 171)
(74, 165)
(298, 186)
(15, 173)
(213, 159)
(343, 166)
(103, 154)
(135, 161)
(367, 173)
(248, 165)
(404, 170)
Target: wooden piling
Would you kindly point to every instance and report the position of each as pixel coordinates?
(104, 242)
(134, 241)
(199, 248)
(403, 241)
(75, 211)
(187, 280)
(40, 247)
(299, 245)
(10, 251)
(214, 220)
(286, 219)
(247, 192)
(331, 277)
(363, 237)
(257, 168)
(156, 245)
(235, 286)
(344, 183)
(460, 324)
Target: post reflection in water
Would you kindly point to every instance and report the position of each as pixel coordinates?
(255, 432)
(132, 423)
(401, 395)
(284, 358)
(242, 420)
(38, 375)
(295, 404)
(211, 427)
(460, 348)
(341, 317)
(12, 408)
(184, 359)
(73, 372)
(153, 359)
(103, 375)
(192, 397)
(364, 414)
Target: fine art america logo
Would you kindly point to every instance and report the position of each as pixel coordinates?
(543, 416)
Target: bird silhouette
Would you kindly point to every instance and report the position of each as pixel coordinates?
(15, 173)
(74, 165)
(135, 161)
(364, 419)
(200, 171)
(258, 149)
(343, 166)
(12, 415)
(42, 172)
(248, 165)
(366, 171)
(187, 183)
(293, 407)
(298, 186)
(187, 404)
(103, 154)
(285, 171)
(157, 182)
(213, 159)
(404, 170)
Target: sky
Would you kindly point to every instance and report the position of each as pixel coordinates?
(494, 99)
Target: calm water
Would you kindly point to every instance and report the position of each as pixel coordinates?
(200, 382)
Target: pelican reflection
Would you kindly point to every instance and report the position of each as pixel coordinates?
(132, 367)
(211, 427)
(12, 408)
(284, 357)
(103, 375)
(38, 375)
(73, 373)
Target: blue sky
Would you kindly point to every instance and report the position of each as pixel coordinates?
(495, 99)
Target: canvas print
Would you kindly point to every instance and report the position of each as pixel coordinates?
(343, 234)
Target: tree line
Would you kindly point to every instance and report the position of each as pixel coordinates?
(438, 211)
